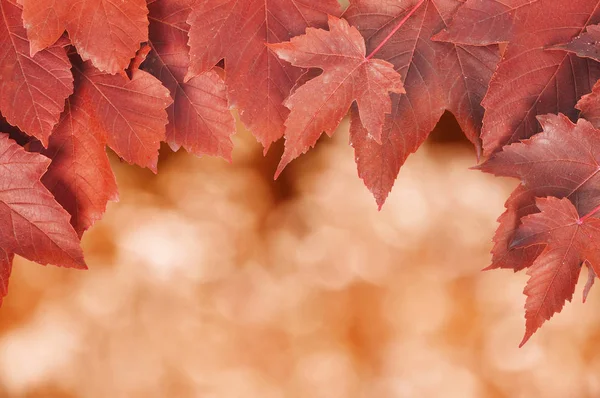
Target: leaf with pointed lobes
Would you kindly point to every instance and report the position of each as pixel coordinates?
(6, 262)
(520, 204)
(570, 241)
(347, 76)
(32, 224)
(80, 176)
(586, 44)
(589, 105)
(106, 32)
(129, 114)
(32, 89)
(437, 76)
(530, 80)
(199, 118)
(484, 22)
(257, 81)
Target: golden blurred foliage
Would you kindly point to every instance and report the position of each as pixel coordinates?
(212, 280)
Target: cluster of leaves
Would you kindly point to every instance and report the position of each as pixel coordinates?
(79, 75)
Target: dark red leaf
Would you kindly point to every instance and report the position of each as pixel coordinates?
(6, 261)
(257, 81)
(32, 89)
(321, 103)
(530, 80)
(570, 240)
(200, 119)
(437, 76)
(586, 44)
(32, 223)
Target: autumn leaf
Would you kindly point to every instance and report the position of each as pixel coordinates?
(586, 44)
(33, 224)
(437, 76)
(128, 114)
(6, 261)
(199, 118)
(531, 80)
(570, 240)
(80, 176)
(562, 161)
(107, 32)
(348, 76)
(484, 22)
(32, 89)
(589, 105)
(257, 81)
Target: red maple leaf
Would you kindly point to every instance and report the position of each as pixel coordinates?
(199, 118)
(533, 78)
(570, 241)
(107, 32)
(348, 75)
(562, 161)
(257, 80)
(437, 76)
(589, 105)
(33, 89)
(127, 114)
(33, 224)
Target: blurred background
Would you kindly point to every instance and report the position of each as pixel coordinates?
(212, 280)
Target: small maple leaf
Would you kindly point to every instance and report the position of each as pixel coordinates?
(199, 118)
(348, 76)
(570, 240)
(586, 44)
(107, 32)
(32, 224)
(530, 80)
(257, 81)
(437, 76)
(33, 89)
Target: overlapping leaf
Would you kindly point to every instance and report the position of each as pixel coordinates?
(107, 32)
(569, 240)
(589, 105)
(531, 79)
(321, 103)
(437, 76)
(586, 44)
(199, 118)
(32, 89)
(32, 223)
(257, 81)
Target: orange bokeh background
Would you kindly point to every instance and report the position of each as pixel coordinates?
(212, 280)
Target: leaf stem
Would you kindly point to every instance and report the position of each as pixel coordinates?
(591, 213)
(411, 12)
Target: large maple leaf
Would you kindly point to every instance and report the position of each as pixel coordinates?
(535, 80)
(33, 89)
(257, 80)
(562, 161)
(320, 104)
(569, 240)
(199, 118)
(437, 76)
(33, 224)
(107, 32)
